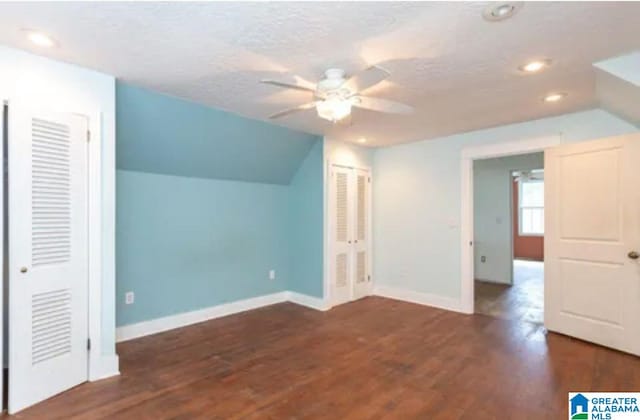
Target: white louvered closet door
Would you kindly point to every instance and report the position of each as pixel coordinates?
(349, 229)
(47, 254)
(361, 279)
(341, 233)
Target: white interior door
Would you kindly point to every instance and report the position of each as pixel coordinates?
(341, 227)
(47, 254)
(361, 278)
(592, 229)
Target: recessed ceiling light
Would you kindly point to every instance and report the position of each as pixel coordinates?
(535, 66)
(555, 97)
(362, 140)
(500, 11)
(40, 39)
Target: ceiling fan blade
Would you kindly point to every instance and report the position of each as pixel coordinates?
(365, 79)
(298, 83)
(381, 105)
(292, 110)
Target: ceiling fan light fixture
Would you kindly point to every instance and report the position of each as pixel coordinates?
(333, 109)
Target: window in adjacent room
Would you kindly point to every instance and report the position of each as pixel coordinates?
(531, 204)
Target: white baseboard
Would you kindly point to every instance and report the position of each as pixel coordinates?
(154, 326)
(308, 301)
(420, 298)
(105, 367)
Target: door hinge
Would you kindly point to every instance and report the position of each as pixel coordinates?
(369, 180)
(88, 344)
(88, 135)
(369, 277)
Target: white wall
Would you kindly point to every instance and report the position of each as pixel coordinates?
(493, 217)
(347, 154)
(416, 199)
(67, 88)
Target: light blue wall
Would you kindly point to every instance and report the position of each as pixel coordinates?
(190, 231)
(416, 199)
(161, 134)
(185, 243)
(306, 225)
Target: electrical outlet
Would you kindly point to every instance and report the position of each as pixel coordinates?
(483, 259)
(129, 298)
(272, 274)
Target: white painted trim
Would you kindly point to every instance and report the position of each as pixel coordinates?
(308, 301)
(105, 367)
(95, 184)
(171, 322)
(3, 102)
(154, 326)
(468, 155)
(440, 302)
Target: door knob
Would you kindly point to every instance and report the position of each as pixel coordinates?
(633, 255)
(23, 270)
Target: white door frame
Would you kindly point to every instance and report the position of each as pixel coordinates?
(468, 155)
(328, 249)
(3, 102)
(97, 369)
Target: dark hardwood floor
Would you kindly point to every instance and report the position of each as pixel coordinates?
(375, 358)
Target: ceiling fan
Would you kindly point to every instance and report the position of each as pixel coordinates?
(335, 95)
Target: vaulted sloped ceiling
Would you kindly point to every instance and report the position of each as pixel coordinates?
(160, 134)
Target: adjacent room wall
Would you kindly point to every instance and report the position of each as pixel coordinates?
(492, 183)
(208, 203)
(417, 201)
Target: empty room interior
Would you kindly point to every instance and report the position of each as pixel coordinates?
(320, 210)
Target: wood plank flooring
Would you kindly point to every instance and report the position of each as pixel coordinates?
(523, 301)
(372, 359)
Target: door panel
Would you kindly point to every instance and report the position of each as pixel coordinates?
(349, 203)
(592, 287)
(362, 280)
(341, 232)
(47, 254)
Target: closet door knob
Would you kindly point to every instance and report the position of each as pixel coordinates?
(23, 270)
(633, 255)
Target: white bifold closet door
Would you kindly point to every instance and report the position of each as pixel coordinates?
(349, 234)
(48, 281)
(361, 242)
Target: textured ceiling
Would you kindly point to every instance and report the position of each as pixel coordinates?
(456, 69)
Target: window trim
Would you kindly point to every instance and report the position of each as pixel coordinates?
(521, 208)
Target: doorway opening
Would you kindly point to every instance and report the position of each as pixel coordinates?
(508, 210)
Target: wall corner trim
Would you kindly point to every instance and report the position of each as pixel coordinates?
(158, 325)
(106, 367)
(308, 301)
(426, 299)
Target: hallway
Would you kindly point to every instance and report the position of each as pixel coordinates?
(523, 301)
